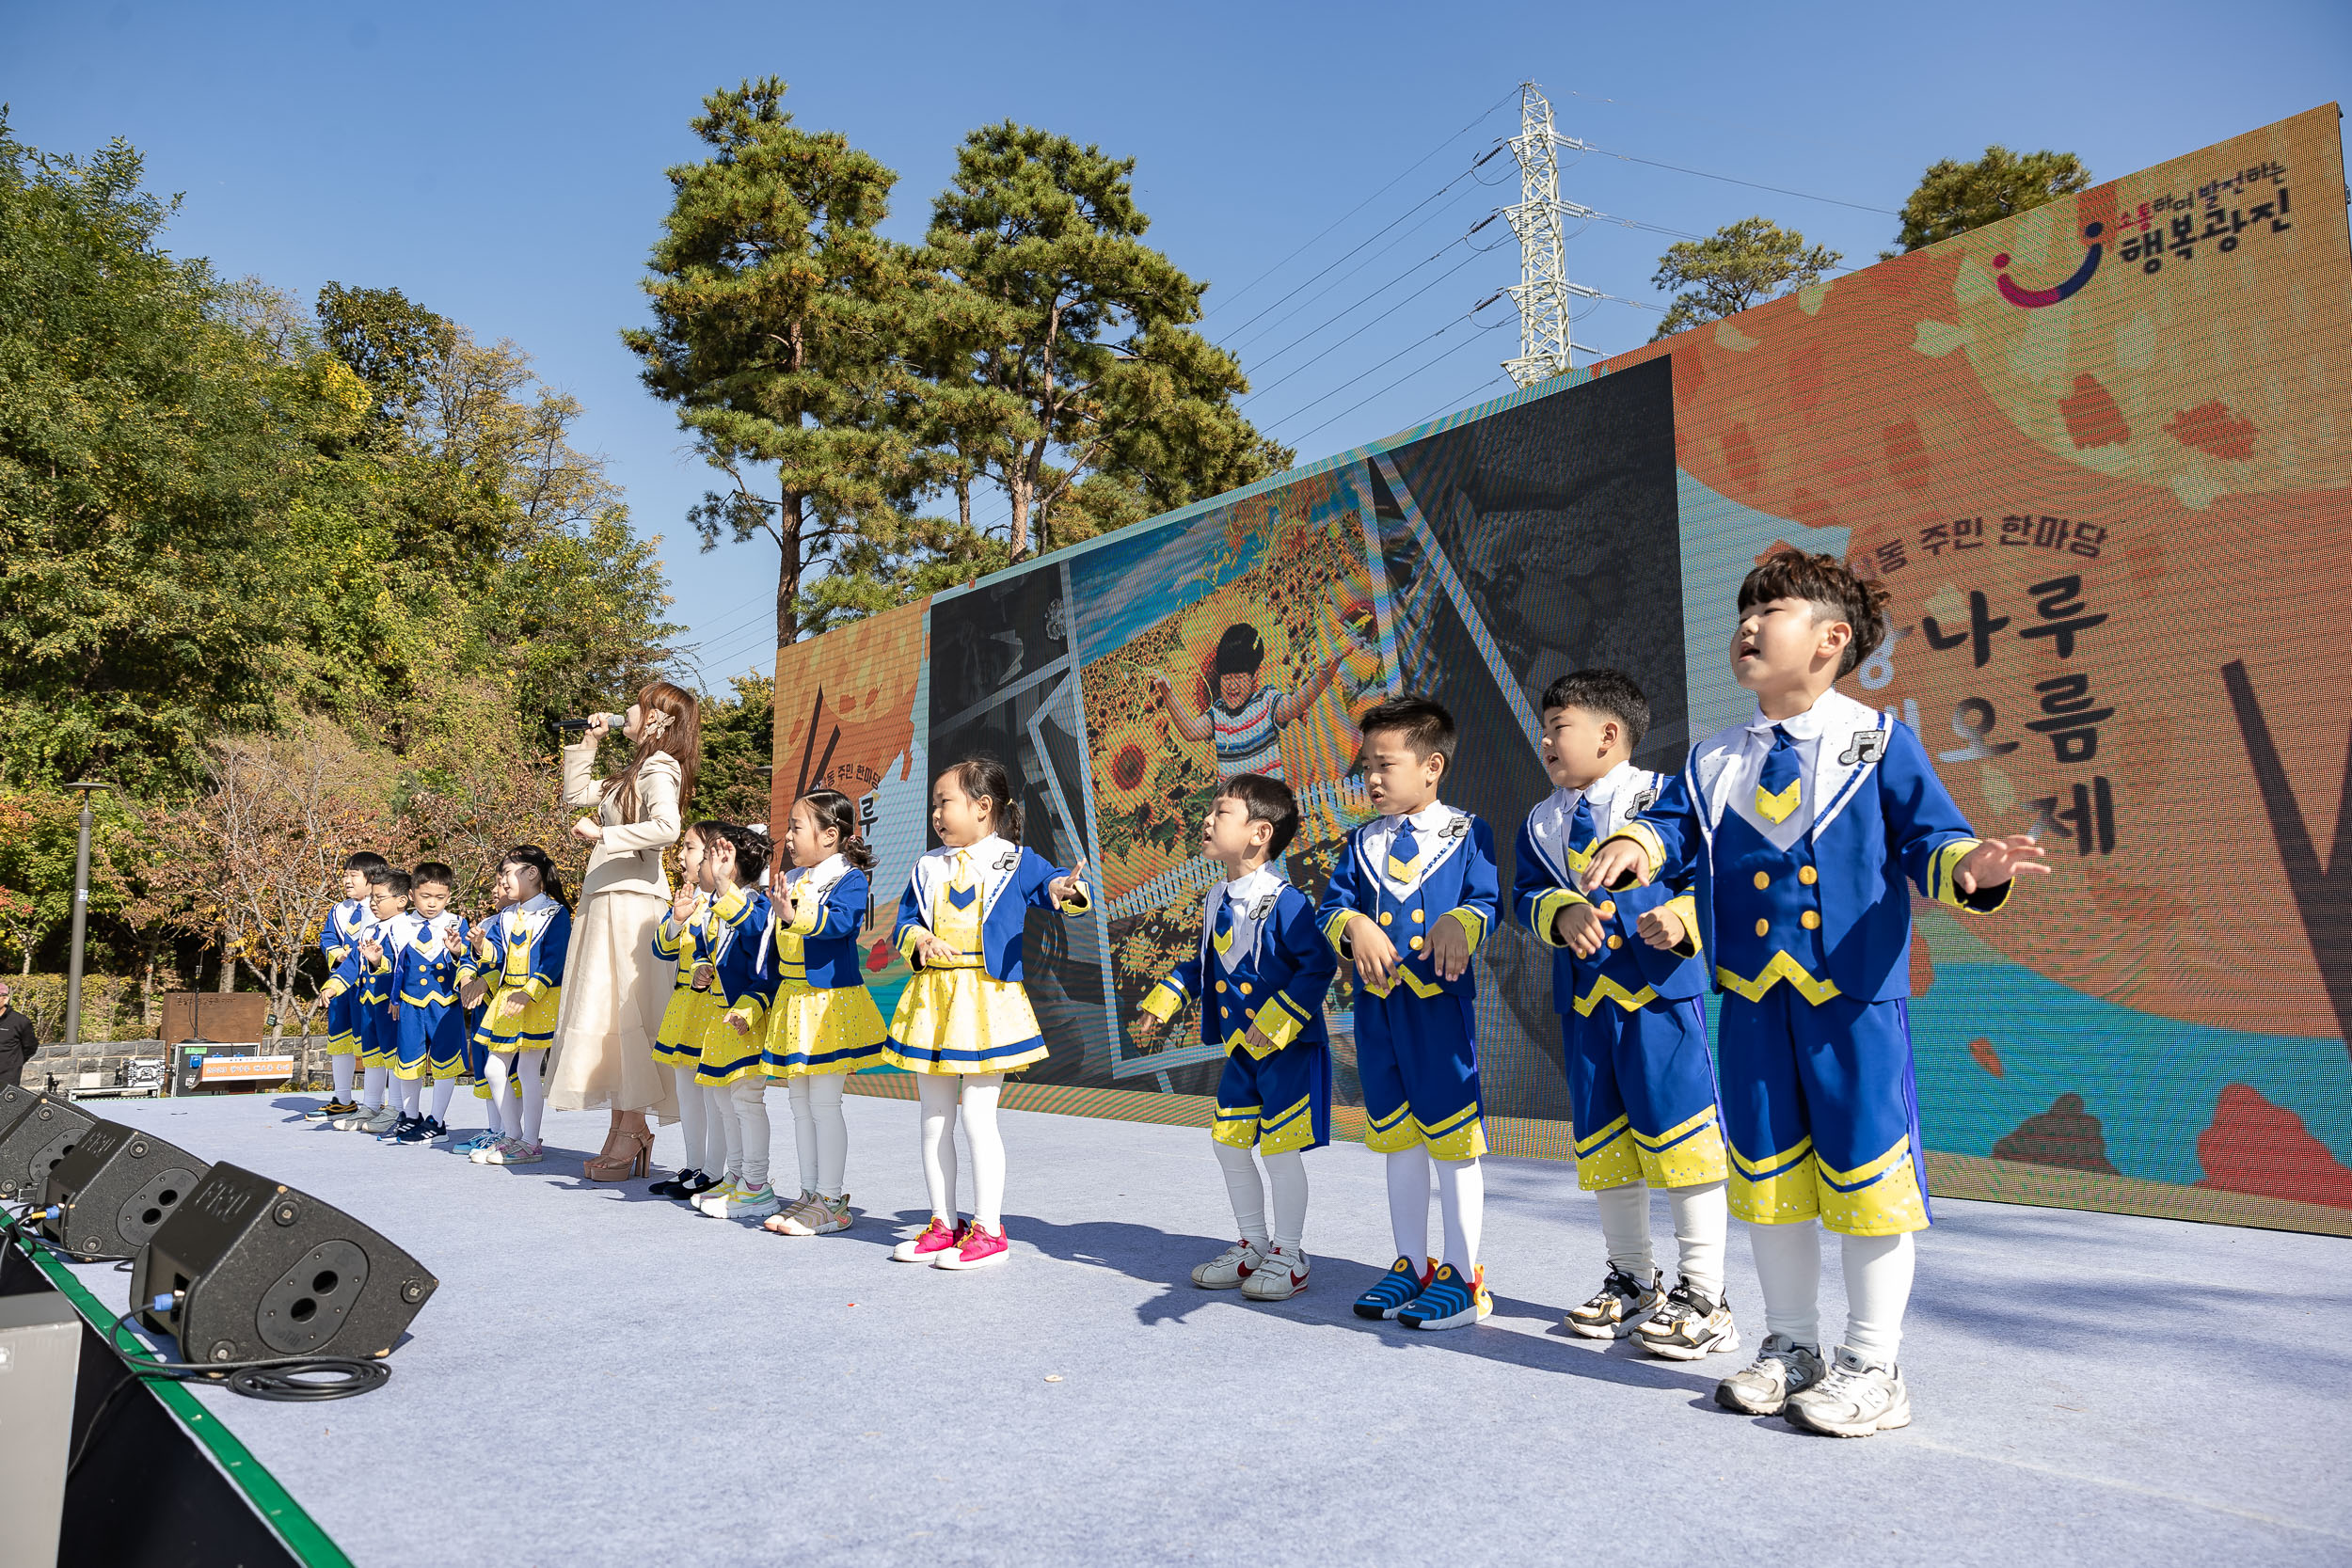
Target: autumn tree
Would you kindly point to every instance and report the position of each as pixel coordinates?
(1740, 264)
(1952, 197)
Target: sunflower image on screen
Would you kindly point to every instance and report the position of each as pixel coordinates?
(1244, 720)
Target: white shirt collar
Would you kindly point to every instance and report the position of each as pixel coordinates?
(825, 872)
(984, 851)
(1605, 788)
(1436, 815)
(1803, 727)
(1243, 891)
(539, 903)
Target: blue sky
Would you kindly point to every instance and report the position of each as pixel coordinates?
(503, 162)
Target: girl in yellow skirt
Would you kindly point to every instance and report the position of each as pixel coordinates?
(816, 1018)
(519, 954)
(963, 1022)
(732, 1069)
(683, 940)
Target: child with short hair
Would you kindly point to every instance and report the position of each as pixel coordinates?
(1798, 827)
(963, 1022)
(1244, 722)
(1413, 894)
(429, 946)
(338, 935)
(379, 1013)
(1260, 975)
(730, 1068)
(683, 941)
(1632, 1031)
(816, 1021)
(524, 948)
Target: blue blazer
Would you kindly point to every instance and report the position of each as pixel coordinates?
(1457, 881)
(550, 944)
(1013, 879)
(1881, 819)
(1277, 983)
(1545, 883)
(740, 936)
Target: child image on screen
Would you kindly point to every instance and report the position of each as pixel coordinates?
(1244, 720)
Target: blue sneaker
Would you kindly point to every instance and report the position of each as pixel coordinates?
(397, 1132)
(1449, 1301)
(422, 1131)
(483, 1139)
(1393, 1290)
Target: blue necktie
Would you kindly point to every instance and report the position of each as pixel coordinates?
(1404, 853)
(1781, 786)
(1582, 828)
(1221, 930)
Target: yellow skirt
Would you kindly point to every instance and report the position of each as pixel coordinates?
(725, 1055)
(816, 1030)
(961, 1020)
(684, 1022)
(530, 1030)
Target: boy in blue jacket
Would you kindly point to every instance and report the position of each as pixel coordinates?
(1632, 1031)
(1414, 892)
(1261, 976)
(1798, 829)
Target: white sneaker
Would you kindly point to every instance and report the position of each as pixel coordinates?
(714, 1202)
(1228, 1268)
(1282, 1274)
(1854, 1400)
(1688, 1325)
(1622, 1304)
(750, 1204)
(1782, 1370)
(513, 1151)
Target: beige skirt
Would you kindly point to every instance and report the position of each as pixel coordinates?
(614, 991)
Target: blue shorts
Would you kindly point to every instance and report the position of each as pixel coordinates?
(342, 1024)
(1418, 1058)
(1822, 1113)
(379, 1035)
(1276, 1103)
(1642, 1095)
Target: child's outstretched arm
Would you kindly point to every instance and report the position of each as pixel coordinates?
(1165, 1000)
(1191, 725)
(1932, 840)
(1048, 887)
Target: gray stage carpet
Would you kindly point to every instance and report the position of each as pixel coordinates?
(607, 1378)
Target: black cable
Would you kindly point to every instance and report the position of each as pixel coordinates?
(264, 1378)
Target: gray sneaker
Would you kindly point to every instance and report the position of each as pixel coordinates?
(1855, 1399)
(1617, 1307)
(381, 1121)
(1782, 1368)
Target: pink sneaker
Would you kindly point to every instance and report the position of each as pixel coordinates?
(937, 1238)
(980, 1248)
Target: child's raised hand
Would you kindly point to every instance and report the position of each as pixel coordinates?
(1062, 888)
(1662, 929)
(1376, 955)
(1448, 948)
(1619, 864)
(1160, 689)
(1997, 859)
(682, 904)
(1577, 928)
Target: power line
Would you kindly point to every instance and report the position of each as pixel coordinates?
(1401, 380)
(1309, 364)
(1234, 346)
(1734, 180)
(1236, 336)
(1367, 201)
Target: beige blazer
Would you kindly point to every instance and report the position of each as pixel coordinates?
(629, 857)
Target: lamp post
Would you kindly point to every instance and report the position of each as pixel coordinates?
(86, 787)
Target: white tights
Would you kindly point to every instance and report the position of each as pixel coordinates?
(1286, 1174)
(821, 1132)
(1878, 1286)
(1702, 1214)
(702, 1124)
(1461, 1197)
(744, 1103)
(371, 1083)
(518, 1114)
(940, 1093)
(443, 1088)
(344, 1066)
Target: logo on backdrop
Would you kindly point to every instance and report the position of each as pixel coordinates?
(2034, 299)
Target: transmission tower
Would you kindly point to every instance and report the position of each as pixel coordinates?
(1543, 289)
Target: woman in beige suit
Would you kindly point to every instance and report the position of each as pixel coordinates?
(615, 989)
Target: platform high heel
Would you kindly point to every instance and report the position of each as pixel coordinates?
(628, 1154)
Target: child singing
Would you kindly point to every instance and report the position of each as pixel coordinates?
(731, 1069)
(817, 1020)
(963, 1022)
(533, 930)
(683, 940)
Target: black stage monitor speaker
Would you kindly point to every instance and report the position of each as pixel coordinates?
(106, 1199)
(249, 1270)
(37, 1143)
(13, 1099)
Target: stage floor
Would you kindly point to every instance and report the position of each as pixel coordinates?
(607, 1378)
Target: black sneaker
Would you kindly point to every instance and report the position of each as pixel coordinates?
(398, 1132)
(329, 1110)
(424, 1130)
(1689, 1325)
(703, 1182)
(676, 1186)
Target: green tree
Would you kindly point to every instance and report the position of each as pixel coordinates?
(1953, 198)
(739, 739)
(777, 311)
(387, 340)
(1055, 356)
(1740, 264)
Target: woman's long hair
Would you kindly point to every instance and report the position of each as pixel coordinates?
(681, 737)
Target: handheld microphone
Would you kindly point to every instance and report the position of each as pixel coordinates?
(611, 721)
